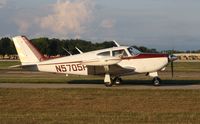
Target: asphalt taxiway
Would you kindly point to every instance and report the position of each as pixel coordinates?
(98, 86)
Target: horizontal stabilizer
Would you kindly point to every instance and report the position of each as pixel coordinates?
(26, 67)
(15, 66)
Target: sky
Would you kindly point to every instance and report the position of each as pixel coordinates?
(160, 24)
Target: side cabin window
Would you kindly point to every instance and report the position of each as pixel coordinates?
(119, 53)
(107, 53)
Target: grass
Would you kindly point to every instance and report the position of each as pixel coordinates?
(99, 106)
(6, 64)
(186, 66)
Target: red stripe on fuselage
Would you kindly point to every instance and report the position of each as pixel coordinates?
(146, 56)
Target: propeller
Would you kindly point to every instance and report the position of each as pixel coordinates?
(172, 68)
(171, 59)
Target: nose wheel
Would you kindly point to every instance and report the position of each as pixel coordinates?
(156, 81)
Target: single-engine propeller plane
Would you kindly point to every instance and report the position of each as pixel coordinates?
(113, 63)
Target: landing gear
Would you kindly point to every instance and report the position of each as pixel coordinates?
(111, 82)
(108, 81)
(108, 84)
(156, 81)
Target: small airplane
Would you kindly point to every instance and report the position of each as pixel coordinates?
(112, 63)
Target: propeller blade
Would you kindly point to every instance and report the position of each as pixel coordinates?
(172, 58)
(172, 68)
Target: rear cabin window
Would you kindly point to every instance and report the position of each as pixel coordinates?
(107, 53)
(119, 52)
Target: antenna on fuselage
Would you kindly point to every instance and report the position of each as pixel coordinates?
(67, 51)
(79, 50)
(116, 43)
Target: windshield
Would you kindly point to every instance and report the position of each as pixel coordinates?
(133, 51)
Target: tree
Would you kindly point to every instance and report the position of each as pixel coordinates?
(7, 47)
(53, 47)
(41, 44)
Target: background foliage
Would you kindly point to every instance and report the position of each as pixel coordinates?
(52, 47)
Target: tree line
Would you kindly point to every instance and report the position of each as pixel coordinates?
(52, 47)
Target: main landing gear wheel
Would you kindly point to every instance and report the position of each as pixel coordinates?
(156, 81)
(109, 84)
(117, 81)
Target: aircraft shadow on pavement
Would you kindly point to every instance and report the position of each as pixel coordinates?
(142, 82)
(164, 82)
(85, 82)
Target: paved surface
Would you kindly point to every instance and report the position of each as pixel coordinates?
(101, 86)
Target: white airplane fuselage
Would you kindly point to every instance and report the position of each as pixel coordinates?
(141, 63)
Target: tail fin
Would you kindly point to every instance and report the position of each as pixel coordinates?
(28, 54)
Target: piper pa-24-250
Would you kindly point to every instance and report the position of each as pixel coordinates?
(111, 62)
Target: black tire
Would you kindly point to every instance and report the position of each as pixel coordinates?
(117, 81)
(156, 81)
(109, 84)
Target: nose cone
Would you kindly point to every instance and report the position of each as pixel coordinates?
(172, 58)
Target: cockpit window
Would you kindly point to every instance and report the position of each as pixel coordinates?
(119, 52)
(133, 51)
(107, 53)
